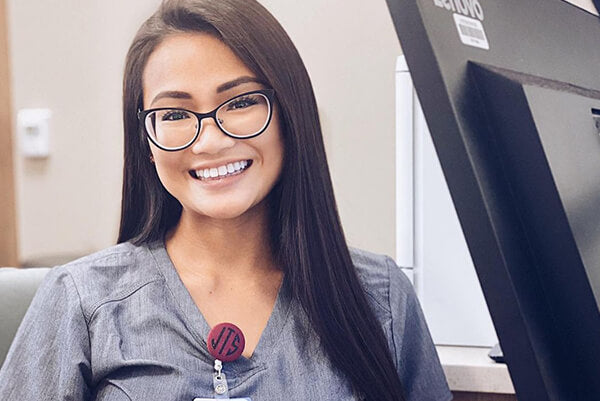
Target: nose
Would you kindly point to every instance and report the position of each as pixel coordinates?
(211, 139)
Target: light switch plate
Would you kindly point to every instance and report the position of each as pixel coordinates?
(34, 132)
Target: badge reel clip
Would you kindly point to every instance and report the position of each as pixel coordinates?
(220, 381)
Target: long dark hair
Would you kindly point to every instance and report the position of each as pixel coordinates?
(306, 234)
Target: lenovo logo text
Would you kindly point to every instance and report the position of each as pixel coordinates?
(470, 8)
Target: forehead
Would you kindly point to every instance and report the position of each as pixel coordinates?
(191, 62)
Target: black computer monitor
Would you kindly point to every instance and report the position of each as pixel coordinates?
(511, 93)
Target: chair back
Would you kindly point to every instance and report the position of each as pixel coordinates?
(17, 288)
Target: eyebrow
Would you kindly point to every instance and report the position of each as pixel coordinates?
(238, 81)
(171, 95)
(221, 88)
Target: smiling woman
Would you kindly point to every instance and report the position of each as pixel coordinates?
(229, 225)
(206, 74)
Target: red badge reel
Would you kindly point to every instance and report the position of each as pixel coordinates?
(226, 342)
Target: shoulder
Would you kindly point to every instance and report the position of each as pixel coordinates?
(382, 279)
(110, 274)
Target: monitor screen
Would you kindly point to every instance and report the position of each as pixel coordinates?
(511, 93)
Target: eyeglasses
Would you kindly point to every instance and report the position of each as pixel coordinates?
(242, 117)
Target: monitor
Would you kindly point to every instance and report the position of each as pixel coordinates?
(511, 94)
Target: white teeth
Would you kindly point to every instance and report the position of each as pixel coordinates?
(222, 170)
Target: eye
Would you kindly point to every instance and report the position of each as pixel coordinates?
(242, 102)
(175, 115)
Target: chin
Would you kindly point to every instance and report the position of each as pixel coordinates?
(222, 212)
(225, 214)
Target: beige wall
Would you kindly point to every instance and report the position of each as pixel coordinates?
(8, 218)
(68, 55)
(350, 50)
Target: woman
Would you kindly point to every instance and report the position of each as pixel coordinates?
(228, 215)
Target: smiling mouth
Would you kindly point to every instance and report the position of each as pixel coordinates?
(218, 173)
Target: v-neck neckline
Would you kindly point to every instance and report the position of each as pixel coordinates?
(267, 345)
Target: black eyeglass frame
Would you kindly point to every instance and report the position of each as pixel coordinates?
(268, 93)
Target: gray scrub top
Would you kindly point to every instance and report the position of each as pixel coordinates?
(120, 325)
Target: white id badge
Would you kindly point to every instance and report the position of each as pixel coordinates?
(231, 399)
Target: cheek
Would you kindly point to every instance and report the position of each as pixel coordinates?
(272, 148)
(275, 143)
(280, 154)
(168, 169)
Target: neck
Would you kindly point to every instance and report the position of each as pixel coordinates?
(217, 248)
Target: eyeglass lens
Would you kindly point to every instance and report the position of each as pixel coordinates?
(242, 116)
